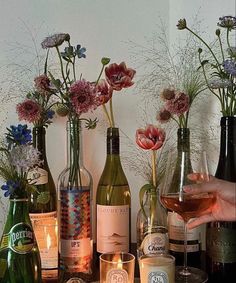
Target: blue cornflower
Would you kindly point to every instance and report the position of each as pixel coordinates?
(80, 51)
(50, 113)
(10, 187)
(19, 134)
(230, 67)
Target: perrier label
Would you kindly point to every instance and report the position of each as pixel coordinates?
(20, 239)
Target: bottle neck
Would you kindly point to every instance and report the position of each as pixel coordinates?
(113, 141)
(18, 207)
(183, 140)
(39, 142)
(227, 159)
(74, 143)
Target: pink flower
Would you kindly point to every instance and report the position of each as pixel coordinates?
(163, 116)
(167, 93)
(104, 91)
(83, 96)
(119, 76)
(150, 138)
(179, 105)
(42, 84)
(29, 110)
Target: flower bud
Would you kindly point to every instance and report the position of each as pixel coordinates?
(181, 24)
(218, 32)
(199, 50)
(62, 110)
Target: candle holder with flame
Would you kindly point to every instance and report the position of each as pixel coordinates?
(117, 267)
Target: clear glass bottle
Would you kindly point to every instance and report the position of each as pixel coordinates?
(43, 209)
(113, 201)
(75, 211)
(19, 254)
(221, 236)
(152, 233)
(175, 222)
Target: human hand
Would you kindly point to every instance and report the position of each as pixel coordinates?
(224, 208)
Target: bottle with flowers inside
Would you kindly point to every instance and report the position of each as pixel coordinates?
(75, 97)
(19, 254)
(37, 109)
(219, 70)
(152, 233)
(176, 107)
(113, 200)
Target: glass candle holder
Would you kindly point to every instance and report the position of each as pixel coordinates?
(117, 267)
(157, 268)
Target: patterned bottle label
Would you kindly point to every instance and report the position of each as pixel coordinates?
(117, 276)
(112, 228)
(221, 244)
(176, 235)
(45, 229)
(75, 230)
(20, 239)
(155, 243)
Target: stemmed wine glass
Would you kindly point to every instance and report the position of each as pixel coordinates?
(186, 205)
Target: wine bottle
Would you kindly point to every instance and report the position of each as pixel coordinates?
(221, 236)
(75, 211)
(19, 254)
(152, 233)
(113, 201)
(43, 209)
(175, 222)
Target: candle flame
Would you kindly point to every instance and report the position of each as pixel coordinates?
(117, 259)
(49, 242)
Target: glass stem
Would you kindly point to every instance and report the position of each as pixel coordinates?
(185, 249)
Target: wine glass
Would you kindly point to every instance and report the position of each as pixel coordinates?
(186, 205)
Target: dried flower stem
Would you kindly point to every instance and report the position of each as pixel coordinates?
(154, 177)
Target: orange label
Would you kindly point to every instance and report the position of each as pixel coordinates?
(112, 228)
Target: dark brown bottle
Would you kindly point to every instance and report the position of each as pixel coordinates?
(221, 236)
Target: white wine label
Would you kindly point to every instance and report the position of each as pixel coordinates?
(176, 234)
(158, 276)
(75, 230)
(155, 243)
(38, 176)
(117, 276)
(112, 228)
(46, 233)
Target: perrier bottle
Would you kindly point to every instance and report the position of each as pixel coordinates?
(19, 254)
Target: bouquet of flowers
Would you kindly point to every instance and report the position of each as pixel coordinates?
(221, 80)
(18, 157)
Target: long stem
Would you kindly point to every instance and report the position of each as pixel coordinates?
(154, 177)
(111, 112)
(107, 115)
(62, 70)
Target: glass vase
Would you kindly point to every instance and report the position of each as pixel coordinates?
(152, 233)
(75, 210)
(19, 254)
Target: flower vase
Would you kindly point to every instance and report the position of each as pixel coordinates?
(19, 254)
(221, 236)
(75, 210)
(152, 233)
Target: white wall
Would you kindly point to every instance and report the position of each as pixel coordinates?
(105, 28)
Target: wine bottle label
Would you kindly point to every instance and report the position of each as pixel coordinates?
(38, 176)
(45, 229)
(155, 243)
(20, 239)
(221, 244)
(75, 230)
(158, 276)
(112, 228)
(176, 235)
(75, 280)
(117, 275)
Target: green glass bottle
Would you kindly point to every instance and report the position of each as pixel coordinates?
(43, 210)
(19, 254)
(113, 201)
(175, 223)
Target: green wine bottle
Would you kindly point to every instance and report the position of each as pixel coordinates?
(19, 254)
(43, 209)
(113, 201)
